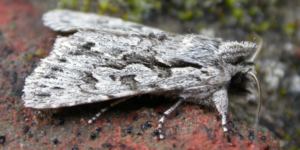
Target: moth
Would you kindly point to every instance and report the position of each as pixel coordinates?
(111, 59)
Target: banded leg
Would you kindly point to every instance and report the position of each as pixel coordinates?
(162, 119)
(220, 98)
(106, 108)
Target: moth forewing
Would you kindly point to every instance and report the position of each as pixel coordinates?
(114, 59)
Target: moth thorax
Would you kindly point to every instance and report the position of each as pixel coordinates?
(235, 52)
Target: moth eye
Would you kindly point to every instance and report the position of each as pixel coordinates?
(239, 84)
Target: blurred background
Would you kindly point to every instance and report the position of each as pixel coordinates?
(277, 66)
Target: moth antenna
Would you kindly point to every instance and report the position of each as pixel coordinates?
(259, 101)
(258, 49)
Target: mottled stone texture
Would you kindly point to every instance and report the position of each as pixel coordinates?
(130, 125)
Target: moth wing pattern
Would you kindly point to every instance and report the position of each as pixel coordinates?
(108, 58)
(94, 66)
(83, 65)
(71, 21)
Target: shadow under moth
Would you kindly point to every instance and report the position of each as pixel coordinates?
(108, 58)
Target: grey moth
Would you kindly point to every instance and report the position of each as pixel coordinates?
(108, 58)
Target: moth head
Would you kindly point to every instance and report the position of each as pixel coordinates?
(238, 54)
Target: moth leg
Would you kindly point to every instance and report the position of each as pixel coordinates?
(105, 109)
(162, 119)
(220, 98)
